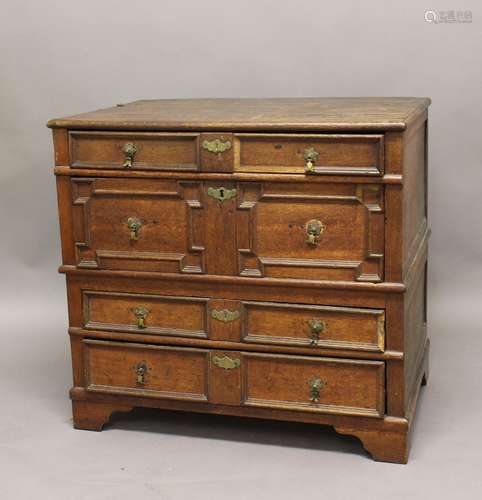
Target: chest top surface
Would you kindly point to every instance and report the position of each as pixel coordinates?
(279, 114)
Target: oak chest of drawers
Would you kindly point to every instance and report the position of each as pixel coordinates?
(261, 258)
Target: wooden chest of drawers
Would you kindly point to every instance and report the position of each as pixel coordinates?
(260, 258)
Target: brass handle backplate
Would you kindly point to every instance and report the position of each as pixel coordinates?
(134, 224)
(221, 194)
(310, 155)
(314, 228)
(141, 314)
(316, 327)
(225, 315)
(226, 362)
(216, 146)
(141, 370)
(129, 149)
(316, 384)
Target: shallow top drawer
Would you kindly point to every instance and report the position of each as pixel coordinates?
(124, 151)
(348, 154)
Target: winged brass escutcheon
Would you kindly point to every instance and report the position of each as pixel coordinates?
(217, 146)
(225, 315)
(221, 194)
(226, 362)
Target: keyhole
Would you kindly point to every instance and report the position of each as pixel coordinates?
(221, 192)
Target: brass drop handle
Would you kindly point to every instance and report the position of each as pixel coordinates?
(141, 314)
(310, 155)
(129, 149)
(141, 370)
(314, 228)
(134, 224)
(316, 384)
(316, 327)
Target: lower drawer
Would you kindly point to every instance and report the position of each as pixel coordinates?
(303, 383)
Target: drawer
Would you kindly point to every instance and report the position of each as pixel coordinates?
(170, 151)
(145, 313)
(264, 323)
(314, 231)
(142, 151)
(314, 384)
(145, 370)
(310, 153)
(301, 383)
(313, 326)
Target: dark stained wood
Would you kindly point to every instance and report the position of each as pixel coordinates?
(290, 114)
(231, 285)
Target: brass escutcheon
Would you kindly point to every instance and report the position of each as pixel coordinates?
(225, 315)
(221, 194)
(216, 146)
(316, 327)
(226, 362)
(310, 155)
(129, 149)
(141, 370)
(314, 228)
(134, 224)
(316, 384)
(141, 314)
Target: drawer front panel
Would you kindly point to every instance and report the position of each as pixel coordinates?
(145, 314)
(290, 153)
(314, 326)
(142, 151)
(311, 231)
(314, 384)
(151, 371)
(138, 224)
(216, 319)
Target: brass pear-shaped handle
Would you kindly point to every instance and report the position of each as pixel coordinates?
(129, 149)
(140, 314)
(310, 155)
(134, 224)
(316, 384)
(316, 327)
(314, 228)
(141, 370)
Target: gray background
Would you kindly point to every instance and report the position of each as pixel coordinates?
(59, 58)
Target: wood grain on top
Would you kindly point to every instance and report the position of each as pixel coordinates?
(288, 114)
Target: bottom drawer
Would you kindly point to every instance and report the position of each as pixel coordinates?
(301, 383)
